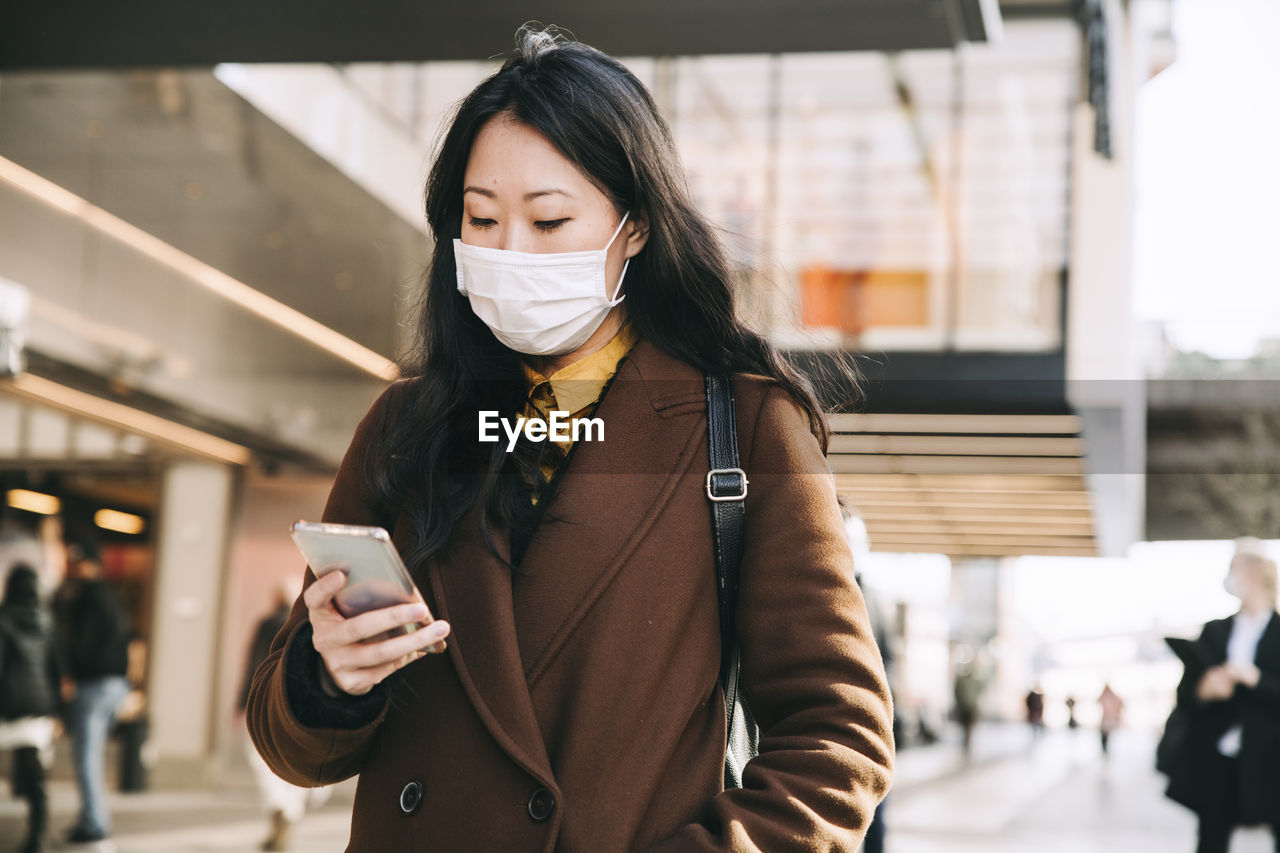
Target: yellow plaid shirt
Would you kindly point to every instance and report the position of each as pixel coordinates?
(574, 388)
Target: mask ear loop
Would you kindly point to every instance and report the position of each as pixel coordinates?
(618, 299)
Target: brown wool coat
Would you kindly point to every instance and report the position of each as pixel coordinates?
(593, 674)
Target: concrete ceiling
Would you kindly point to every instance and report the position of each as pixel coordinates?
(181, 156)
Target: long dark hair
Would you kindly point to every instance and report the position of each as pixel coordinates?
(679, 287)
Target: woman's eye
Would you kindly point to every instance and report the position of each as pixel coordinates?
(481, 223)
(550, 224)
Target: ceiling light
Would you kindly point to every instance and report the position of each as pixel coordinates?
(120, 522)
(127, 418)
(37, 502)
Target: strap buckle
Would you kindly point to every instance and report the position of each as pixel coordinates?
(711, 490)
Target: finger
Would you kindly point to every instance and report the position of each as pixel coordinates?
(379, 621)
(402, 649)
(323, 590)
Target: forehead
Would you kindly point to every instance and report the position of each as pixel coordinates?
(510, 156)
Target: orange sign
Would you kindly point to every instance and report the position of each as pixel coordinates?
(857, 300)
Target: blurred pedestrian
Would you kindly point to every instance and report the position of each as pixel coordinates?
(1112, 707)
(1221, 748)
(968, 696)
(1035, 711)
(286, 803)
(1072, 722)
(29, 700)
(95, 635)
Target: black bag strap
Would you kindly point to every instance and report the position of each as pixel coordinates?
(727, 491)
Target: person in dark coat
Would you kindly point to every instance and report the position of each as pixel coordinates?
(1035, 711)
(95, 634)
(29, 701)
(1221, 749)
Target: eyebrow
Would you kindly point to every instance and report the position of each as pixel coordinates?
(529, 196)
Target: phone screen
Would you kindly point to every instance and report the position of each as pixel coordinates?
(376, 576)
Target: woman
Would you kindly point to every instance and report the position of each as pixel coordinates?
(1221, 748)
(577, 705)
(1112, 708)
(29, 679)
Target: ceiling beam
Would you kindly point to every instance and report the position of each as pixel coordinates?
(154, 33)
(1022, 9)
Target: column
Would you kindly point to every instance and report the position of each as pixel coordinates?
(190, 564)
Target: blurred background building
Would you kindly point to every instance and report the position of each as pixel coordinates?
(211, 237)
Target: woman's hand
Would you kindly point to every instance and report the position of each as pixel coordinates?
(1247, 674)
(1216, 685)
(356, 667)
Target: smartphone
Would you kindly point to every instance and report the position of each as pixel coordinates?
(376, 576)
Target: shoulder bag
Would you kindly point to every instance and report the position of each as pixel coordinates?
(726, 493)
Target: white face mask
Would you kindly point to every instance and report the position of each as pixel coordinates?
(538, 304)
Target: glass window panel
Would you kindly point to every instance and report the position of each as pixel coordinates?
(913, 201)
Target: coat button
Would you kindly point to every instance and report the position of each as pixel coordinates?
(541, 805)
(411, 797)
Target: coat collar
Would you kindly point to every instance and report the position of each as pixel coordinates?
(505, 632)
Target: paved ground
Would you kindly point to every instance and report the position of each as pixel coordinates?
(1059, 797)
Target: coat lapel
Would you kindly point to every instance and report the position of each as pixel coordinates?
(1269, 642)
(608, 498)
(472, 589)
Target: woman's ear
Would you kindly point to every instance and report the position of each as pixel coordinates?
(637, 234)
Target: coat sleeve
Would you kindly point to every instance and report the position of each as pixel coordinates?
(811, 672)
(1186, 694)
(305, 736)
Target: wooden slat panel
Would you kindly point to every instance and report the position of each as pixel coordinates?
(963, 483)
(985, 551)
(993, 529)
(905, 511)
(958, 424)
(1021, 465)
(979, 524)
(944, 541)
(975, 445)
(969, 485)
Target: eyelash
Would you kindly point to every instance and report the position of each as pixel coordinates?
(543, 225)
